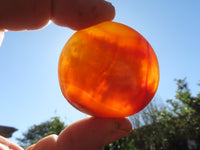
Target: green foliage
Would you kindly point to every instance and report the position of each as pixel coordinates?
(36, 132)
(168, 128)
(125, 143)
(165, 128)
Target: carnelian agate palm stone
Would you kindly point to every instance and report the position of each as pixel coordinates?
(108, 70)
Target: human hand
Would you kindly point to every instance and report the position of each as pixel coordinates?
(7, 145)
(35, 14)
(87, 134)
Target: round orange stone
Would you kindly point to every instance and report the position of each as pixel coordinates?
(108, 70)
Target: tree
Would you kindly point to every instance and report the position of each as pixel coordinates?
(36, 132)
(148, 115)
(141, 134)
(125, 143)
(172, 127)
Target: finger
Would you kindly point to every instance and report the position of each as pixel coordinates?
(93, 133)
(35, 14)
(4, 143)
(3, 147)
(30, 147)
(47, 143)
(24, 14)
(1, 37)
(78, 14)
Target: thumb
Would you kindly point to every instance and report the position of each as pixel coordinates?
(93, 133)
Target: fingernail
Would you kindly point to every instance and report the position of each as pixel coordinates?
(104, 11)
(109, 10)
(122, 128)
(30, 147)
(124, 125)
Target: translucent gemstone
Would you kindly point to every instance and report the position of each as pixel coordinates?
(108, 70)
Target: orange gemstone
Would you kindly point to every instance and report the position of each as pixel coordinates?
(108, 70)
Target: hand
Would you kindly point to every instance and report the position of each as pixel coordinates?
(7, 145)
(35, 14)
(87, 134)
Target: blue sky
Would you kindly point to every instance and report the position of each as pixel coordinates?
(29, 88)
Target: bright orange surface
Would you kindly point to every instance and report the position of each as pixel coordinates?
(108, 70)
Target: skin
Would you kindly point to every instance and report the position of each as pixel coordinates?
(89, 133)
(6, 145)
(86, 134)
(35, 14)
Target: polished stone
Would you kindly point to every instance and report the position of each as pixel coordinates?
(108, 70)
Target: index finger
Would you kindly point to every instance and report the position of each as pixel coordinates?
(35, 14)
(6, 143)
